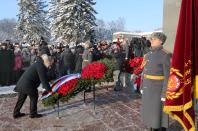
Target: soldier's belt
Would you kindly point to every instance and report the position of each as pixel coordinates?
(153, 77)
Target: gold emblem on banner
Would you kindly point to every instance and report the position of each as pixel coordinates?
(177, 82)
(174, 83)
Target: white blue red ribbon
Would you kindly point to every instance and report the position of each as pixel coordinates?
(57, 83)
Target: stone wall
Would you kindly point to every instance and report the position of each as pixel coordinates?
(170, 21)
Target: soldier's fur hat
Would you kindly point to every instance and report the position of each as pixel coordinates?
(159, 35)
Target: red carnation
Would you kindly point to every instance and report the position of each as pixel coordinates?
(138, 81)
(137, 61)
(67, 87)
(136, 65)
(137, 70)
(94, 70)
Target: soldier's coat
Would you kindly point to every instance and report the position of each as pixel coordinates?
(157, 63)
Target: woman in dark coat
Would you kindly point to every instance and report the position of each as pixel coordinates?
(28, 84)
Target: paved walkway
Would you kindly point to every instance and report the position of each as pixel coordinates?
(115, 111)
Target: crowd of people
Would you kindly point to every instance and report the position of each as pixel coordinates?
(28, 66)
(17, 57)
(39, 63)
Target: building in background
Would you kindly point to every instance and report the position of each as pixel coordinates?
(131, 35)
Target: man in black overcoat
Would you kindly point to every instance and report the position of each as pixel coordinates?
(66, 61)
(29, 82)
(7, 65)
(78, 59)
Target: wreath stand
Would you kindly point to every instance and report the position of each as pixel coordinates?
(57, 109)
(92, 88)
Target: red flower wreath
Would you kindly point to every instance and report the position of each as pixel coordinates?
(67, 87)
(94, 70)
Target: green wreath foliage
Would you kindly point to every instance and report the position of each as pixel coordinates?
(82, 85)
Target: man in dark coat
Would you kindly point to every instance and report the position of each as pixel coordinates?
(118, 57)
(7, 65)
(28, 84)
(78, 59)
(155, 78)
(66, 61)
(126, 75)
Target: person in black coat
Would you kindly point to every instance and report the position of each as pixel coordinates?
(7, 65)
(28, 84)
(78, 59)
(66, 61)
(118, 57)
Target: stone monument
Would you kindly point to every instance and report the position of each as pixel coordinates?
(170, 21)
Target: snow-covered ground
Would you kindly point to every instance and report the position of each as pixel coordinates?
(9, 89)
(6, 89)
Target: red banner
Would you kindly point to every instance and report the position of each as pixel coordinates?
(196, 49)
(179, 93)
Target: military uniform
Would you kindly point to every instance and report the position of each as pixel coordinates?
(154, 83)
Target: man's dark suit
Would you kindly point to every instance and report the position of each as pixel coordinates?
(28, 84)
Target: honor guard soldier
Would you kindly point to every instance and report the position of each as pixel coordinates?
(155, 79)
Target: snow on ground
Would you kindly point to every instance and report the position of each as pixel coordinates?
(9, 89)
(6, 89)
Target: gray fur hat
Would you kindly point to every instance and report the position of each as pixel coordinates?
(159, 35)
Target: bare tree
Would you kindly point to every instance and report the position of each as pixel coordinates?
(118, 25)
(7, 29)
(105, 30)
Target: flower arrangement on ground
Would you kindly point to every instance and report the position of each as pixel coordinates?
(69, 86)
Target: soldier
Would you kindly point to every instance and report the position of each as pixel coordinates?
(155, 78)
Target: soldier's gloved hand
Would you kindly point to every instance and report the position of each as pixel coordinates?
(141, 91)
(163, 99)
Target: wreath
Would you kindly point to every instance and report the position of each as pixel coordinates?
(69, 86)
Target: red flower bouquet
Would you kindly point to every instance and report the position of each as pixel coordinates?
(137, 70)
(136, 62)
(136, 65)
(138, 81)
(94, 70)
(67, 87)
